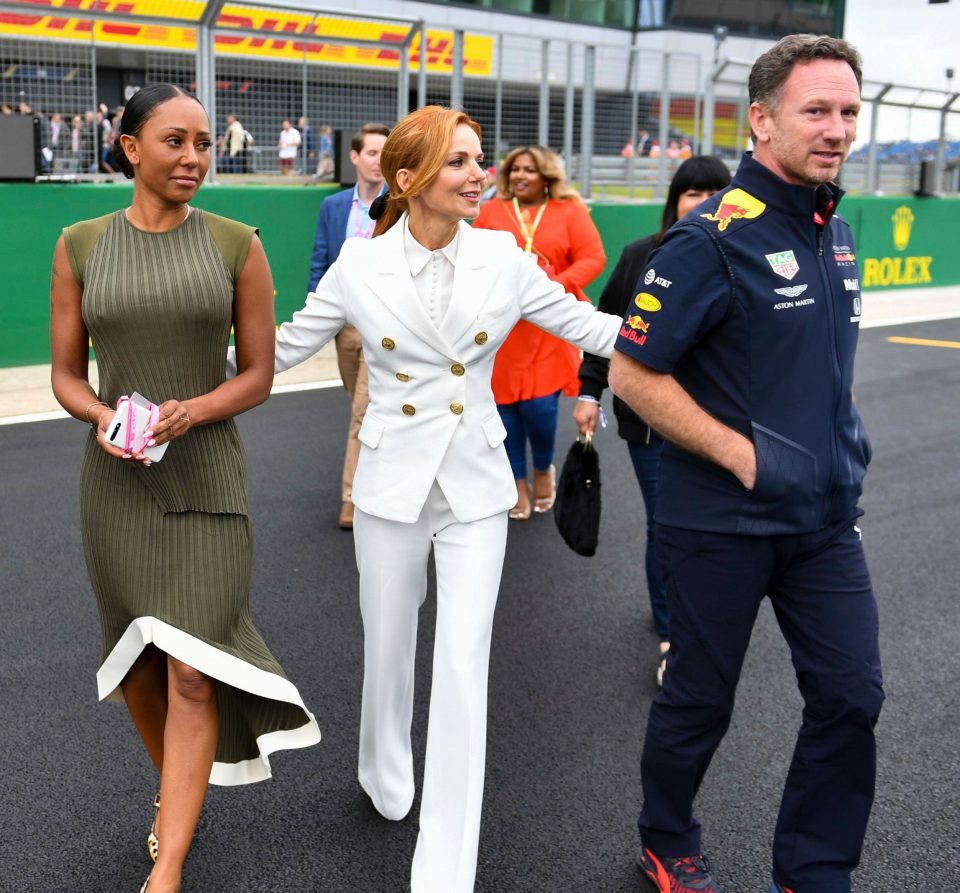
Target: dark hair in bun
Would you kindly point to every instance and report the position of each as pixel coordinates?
(136, 113)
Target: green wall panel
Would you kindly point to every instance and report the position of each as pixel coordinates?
(901, 242)
(32, 216)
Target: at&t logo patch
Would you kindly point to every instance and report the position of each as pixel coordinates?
(652, 277)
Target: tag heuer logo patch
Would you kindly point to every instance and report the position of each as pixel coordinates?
(784, 264)
(791, 291)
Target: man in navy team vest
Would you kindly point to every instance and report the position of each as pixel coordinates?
(743, 361)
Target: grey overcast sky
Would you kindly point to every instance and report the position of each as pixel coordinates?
(909, 42)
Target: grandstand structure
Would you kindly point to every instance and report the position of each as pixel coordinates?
(585, 77)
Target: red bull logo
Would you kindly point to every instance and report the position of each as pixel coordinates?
(638, 323)
(736, 205)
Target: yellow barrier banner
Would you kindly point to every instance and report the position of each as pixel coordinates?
(287, 35)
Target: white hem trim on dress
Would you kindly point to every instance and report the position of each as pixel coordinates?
(218, 665)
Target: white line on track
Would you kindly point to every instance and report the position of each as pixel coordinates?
(278, 389)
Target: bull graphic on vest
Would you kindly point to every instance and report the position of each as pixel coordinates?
(736, 205)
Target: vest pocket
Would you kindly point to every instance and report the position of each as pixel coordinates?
(788, 488)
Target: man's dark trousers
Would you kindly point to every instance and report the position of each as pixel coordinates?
(820, 589)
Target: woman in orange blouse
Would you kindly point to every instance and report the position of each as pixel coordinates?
(553, 226)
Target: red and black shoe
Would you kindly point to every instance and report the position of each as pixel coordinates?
(777, 887)
(677, 874)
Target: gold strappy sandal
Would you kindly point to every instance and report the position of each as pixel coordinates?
(153, 842)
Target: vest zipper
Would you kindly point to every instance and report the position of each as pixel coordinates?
(837, 377)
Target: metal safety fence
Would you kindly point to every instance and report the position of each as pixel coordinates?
(621, 116)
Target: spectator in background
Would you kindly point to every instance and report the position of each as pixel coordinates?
(76, 141)
(343, 216)
(654, 149)
(309, 148)
(489, 185)
(234, 143)
(6, 109)
(694, 181)
(104, 143)
(628, 151)
(91, 142)
(553, 226)
(114, 133)
(55, 137)
(288, 145)
(325, 166)
(246, 164)
(643, 144)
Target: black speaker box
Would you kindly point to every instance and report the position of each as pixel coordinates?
(19, 147)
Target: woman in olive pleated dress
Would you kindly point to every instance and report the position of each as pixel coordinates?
(157, 287)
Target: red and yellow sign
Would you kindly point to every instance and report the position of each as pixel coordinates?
(287, 35)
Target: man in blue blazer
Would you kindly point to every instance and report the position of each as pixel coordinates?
(343, 216)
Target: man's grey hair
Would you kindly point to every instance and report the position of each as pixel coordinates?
(772, 69)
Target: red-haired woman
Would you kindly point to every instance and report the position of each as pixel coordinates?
(433, 300)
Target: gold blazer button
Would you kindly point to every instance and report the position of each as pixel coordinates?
(388, 344)
(408, 409)
(456, 407)
(457, 369)
(402, 376)
(481, 337)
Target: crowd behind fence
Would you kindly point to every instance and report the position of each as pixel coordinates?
(622, 117)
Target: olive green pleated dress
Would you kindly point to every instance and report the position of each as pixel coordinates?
(169, 546)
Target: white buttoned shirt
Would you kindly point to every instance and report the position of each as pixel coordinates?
(432, 273)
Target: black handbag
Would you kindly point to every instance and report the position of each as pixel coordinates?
(577, 509)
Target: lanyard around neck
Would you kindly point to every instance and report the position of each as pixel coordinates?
(364, 232)
(528, 231)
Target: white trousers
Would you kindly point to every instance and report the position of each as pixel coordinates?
(392, 558)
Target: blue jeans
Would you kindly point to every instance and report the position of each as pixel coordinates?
(534, 420)
(646, 465)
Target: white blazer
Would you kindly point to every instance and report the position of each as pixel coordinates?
(432, 415)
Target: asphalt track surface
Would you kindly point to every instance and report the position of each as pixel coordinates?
(571, 678)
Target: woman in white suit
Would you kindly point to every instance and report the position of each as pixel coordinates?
(432, 299)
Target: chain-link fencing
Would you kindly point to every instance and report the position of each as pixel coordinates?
(622, 117)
